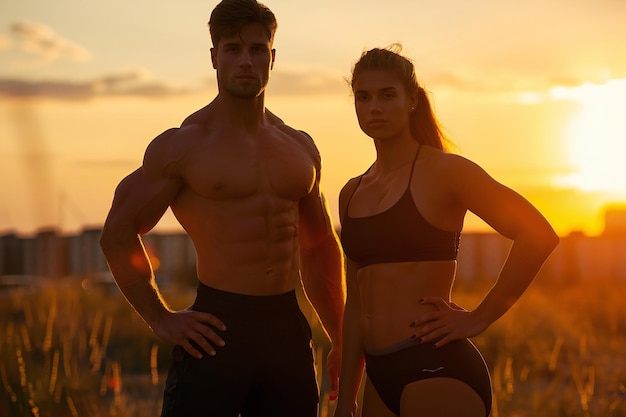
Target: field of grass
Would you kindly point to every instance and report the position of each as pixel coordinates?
(66, 351)
(561, 351)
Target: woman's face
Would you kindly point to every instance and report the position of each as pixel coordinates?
(382, 104)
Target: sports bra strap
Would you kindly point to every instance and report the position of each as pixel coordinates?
(352, 195)
(419, 148)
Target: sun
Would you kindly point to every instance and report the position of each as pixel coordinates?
(597, 136)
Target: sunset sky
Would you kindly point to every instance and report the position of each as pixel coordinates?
(533, 91)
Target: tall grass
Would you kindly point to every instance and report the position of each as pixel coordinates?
(68, 352)
(561, 351)
(65, 351)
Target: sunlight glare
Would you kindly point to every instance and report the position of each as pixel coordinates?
(597, 137)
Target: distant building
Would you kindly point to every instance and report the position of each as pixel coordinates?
(51, 254)
(615, 222)
(86, 259)
(174, 258)
(11, 254)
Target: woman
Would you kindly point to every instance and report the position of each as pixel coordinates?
(401, 225)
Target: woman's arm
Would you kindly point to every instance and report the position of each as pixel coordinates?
(352, 362)
(511, 215)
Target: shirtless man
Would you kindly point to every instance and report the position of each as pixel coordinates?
(246, 188)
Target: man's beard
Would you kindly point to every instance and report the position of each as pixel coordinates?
(246, 90)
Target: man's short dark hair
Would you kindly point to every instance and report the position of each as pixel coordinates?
(229, 16)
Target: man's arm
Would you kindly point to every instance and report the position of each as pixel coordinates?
(139, 203)
(322, 273)
(322, 276)
(135, 210)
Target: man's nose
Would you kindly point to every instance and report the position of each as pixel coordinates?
(246, 60)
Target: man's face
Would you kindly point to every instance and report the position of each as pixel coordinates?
(243, 62)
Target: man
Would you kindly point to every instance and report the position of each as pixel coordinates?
(246, 188)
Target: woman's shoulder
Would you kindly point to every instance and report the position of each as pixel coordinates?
(455, 172)
(347, 191)
(448, 161)
(345, 195)
(350, 186)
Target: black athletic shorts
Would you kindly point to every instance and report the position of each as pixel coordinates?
(390, 371)
(266, 368)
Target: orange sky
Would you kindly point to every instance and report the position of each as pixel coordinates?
(533, 92)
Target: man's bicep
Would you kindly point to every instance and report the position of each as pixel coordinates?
(140, 202)
(160, 155)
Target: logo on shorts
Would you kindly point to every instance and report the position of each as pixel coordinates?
(433, 370)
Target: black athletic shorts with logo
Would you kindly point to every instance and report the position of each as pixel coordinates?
(392, 369)
(266, 368)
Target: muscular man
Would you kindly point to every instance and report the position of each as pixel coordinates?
(246, 188)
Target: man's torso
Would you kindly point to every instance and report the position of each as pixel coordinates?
(239, 202)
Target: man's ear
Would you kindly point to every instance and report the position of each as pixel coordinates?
(214, 57)
(273, 58)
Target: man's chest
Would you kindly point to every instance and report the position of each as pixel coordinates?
(280, 168)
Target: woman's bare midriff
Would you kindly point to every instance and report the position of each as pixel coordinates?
(390, 295)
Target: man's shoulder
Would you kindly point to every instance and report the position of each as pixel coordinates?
(170, 146)
(171, 136)
(198, 118)
(305, 141)
(299, 135)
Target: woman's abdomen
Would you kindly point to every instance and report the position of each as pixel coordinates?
(390, 298)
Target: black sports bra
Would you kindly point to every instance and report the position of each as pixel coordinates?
(398, 234)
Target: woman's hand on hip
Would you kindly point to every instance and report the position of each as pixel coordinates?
(448, 323)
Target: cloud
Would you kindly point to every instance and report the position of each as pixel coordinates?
(517, 86)
(41, 42)
(129, 83)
